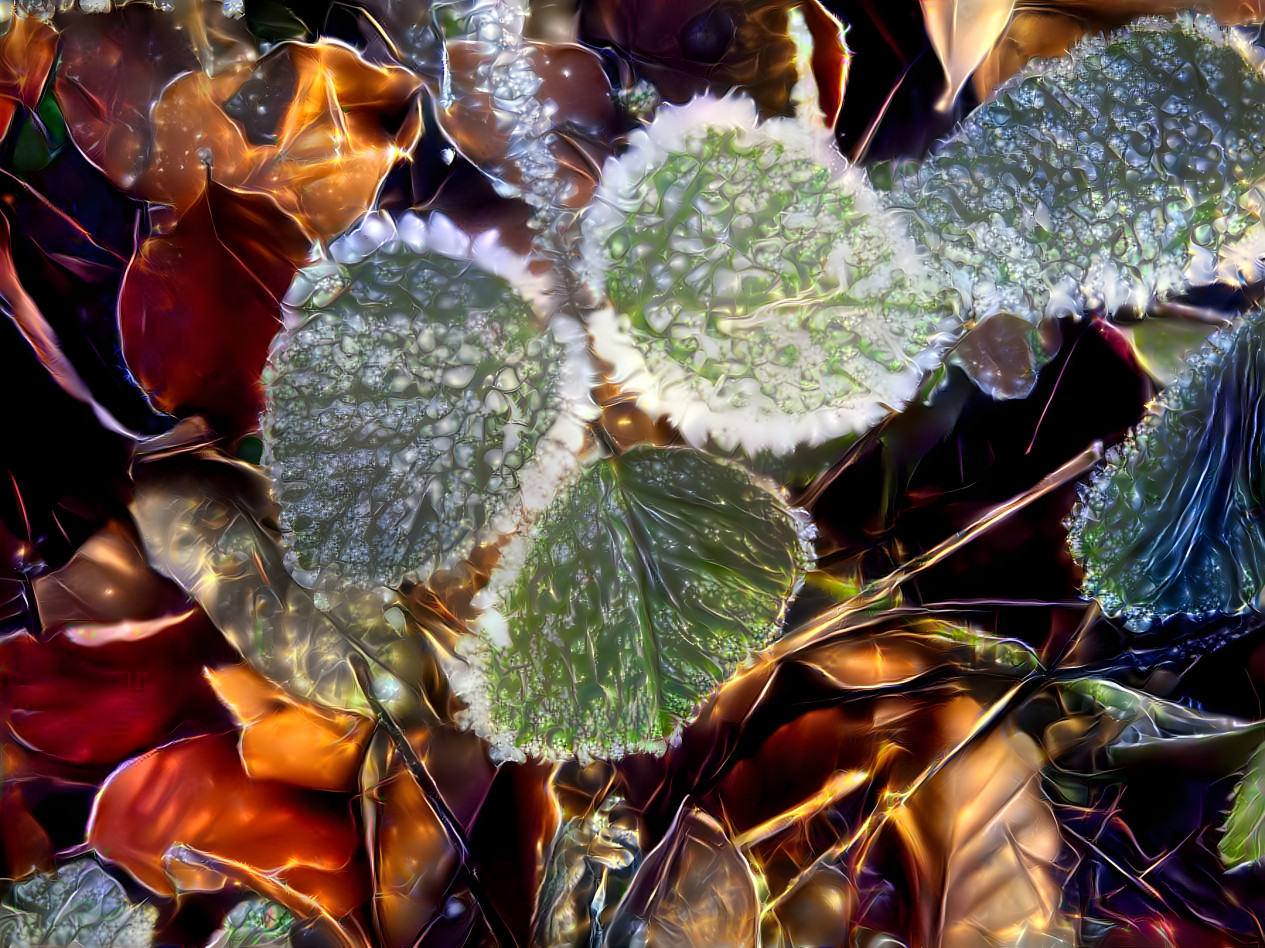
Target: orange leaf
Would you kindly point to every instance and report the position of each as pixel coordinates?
(27, 52)
(289, 740)
(196, 793)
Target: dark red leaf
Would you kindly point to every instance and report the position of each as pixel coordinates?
(200, 305)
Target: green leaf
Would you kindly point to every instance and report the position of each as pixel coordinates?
(761, 295)
(256, 923)
(651, 577)
(1170, 523)
(79, 905)
(1087, 183)
(1244, 839)
(411, 399)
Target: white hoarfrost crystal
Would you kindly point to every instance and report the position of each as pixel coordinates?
(760, 296)
(416, 402)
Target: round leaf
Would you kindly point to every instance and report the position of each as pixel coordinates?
(1122, 173)
(761, 295)
(651, 577)
(411, 399)
(1171, 522)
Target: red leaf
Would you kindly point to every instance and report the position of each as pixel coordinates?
(200, 305)
(27, 52)
(96, 705)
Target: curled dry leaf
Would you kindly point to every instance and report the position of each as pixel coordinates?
(195, 793)
(108, 593)
(412, 858)
(200, 351)
(695, 890)
(297, 742)
(963, 32)
(95, 705)
(158, 131)
(27, 52)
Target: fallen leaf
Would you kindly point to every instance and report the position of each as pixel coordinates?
(293, 741)
(27, 52)
(200, 305)
(195, 793)
(963, 33)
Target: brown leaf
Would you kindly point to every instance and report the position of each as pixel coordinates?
(113, 68)
(962, 32)
(977, 840)
(199, 306)
(107, 592)
(412, 858)
(695, 890)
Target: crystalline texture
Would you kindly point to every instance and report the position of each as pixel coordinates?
(406, 410)
(1106, 180)
(761, 295)
(1171, 523)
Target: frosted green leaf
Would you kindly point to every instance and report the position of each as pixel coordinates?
(255, 923)
(79, 905)
(651, 577)
(411, 398)
(1171, 522)
(1115, 177)
(761, 295)
(1243, 841)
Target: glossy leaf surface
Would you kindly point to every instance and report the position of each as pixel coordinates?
(650, 577)
(406, 409)
(1169, 524)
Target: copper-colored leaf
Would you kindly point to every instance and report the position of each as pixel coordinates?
(107, 592)
(199, 306)
(195, 793)
(113, 68)
(413, 860)
(979, 839)
(298, 742)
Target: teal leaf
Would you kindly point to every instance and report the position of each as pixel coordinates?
(412, 398)
(650, 578)
(1107, 180)
(1243, 841)
(79, 905)
(1170, 523)
(761, 297)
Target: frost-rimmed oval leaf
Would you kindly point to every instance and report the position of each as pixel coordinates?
(1243, 841)
(413, 396)
(1170, 523)
(1122, 174)
(254, 923)
(80, 904)
(762, 297)
(647, 581)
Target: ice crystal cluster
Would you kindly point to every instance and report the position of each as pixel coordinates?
(759, 294)
(1107, 180)
(1171, 522)
(413, 394)
(78, 905)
